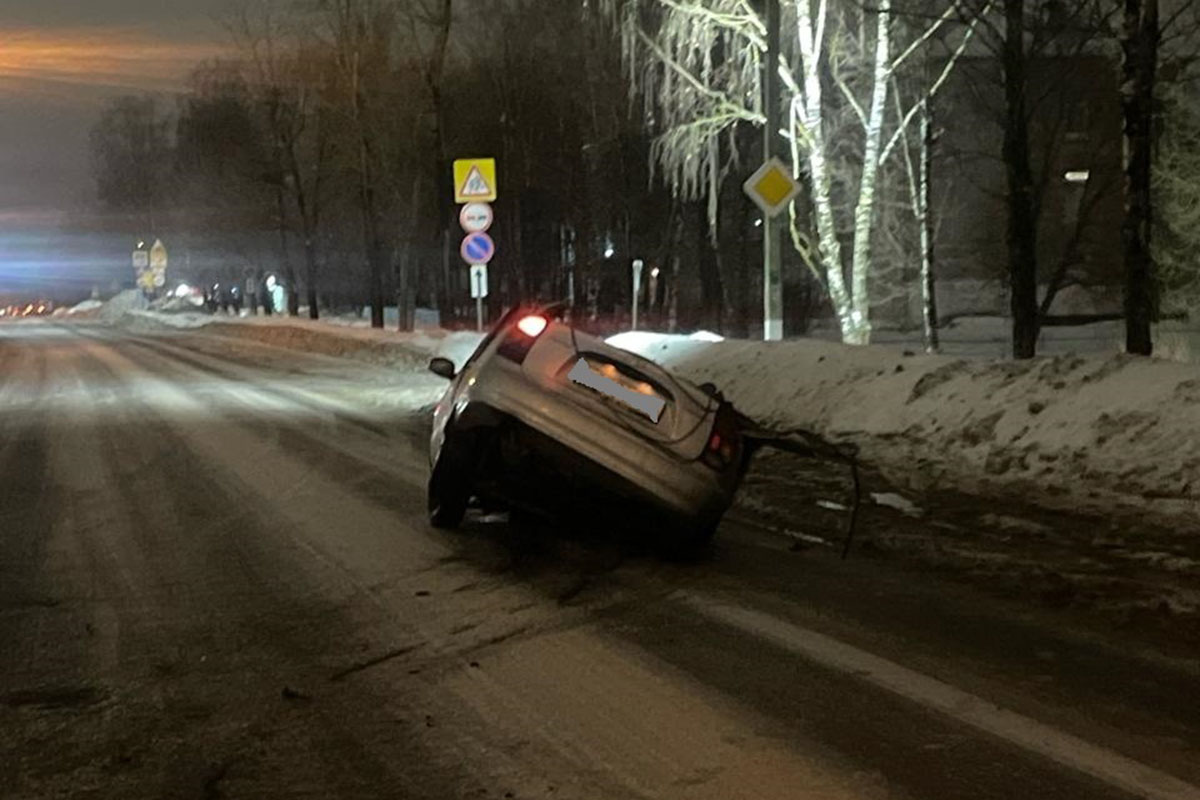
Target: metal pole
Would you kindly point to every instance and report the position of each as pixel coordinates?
(772, 229)
(477, 284)
(637, 288)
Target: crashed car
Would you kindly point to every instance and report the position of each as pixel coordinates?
(546, 418)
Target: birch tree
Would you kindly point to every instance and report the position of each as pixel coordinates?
(696, 64)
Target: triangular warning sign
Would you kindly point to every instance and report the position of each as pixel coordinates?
(475, 185)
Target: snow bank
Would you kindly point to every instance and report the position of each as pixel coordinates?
(1101, 433)
(332, 338)
(120, 304)
(85, 307)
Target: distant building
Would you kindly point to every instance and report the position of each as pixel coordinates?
(1076, 140)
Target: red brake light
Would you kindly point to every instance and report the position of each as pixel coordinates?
(723, 442)
(532, 326)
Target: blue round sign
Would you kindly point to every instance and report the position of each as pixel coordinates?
(477, 248)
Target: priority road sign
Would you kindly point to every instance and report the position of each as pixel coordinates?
(475, 180)
(771, 187)
(475, 217)
(477, 248)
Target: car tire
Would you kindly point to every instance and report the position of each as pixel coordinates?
(448, 492)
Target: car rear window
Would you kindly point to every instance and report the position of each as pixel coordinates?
(625, 375)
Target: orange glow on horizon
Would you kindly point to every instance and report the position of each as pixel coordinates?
(102, 57)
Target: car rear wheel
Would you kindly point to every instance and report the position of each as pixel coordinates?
(449, 491)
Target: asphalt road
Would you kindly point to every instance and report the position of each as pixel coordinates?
(216, 581)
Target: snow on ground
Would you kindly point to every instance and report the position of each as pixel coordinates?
(1100, 432)
(326, 337)
(1103, 433)
(85, 307)
(121, 304)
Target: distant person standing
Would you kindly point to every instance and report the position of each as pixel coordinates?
(277, 298)
(264, 297)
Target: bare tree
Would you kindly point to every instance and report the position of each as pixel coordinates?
(289, 75)
(430, 23)
(696, 63)
(1139, 45)
(131, 156)
(362, 37)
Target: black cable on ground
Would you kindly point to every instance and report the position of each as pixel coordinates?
(812, 445)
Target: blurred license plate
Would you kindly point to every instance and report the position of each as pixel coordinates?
(613, 385)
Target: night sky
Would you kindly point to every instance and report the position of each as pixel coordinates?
(59, 61)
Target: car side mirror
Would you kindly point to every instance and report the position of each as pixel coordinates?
(443, 367)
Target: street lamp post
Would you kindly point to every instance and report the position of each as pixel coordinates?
(637, 286)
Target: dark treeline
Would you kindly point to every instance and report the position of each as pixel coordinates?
(321, 150)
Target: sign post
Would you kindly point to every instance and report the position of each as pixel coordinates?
(475, 180)
(143, 275)
(477, 248)
(475, 189)
(769, 186)
(475, 217)
(158, 264)
(772, 187)
(637, 287)
(479, 290)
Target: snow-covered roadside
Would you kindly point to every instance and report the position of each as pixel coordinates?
(1098, 433)
(324, 337)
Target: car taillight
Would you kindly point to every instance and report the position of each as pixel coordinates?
(520, 339)
(532, 325)
(724, 441)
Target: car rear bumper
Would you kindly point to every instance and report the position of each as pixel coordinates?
(550, 474)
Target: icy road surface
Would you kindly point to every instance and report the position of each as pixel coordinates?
(216, 581)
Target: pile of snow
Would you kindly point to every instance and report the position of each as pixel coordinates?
(1105, 433)
(85, 307)
(151, 321)
(173, 302)
(325, 337)
(120, 304)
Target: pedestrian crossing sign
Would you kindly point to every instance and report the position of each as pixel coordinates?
(475, 180)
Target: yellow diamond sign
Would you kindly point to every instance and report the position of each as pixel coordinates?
(772, 187)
